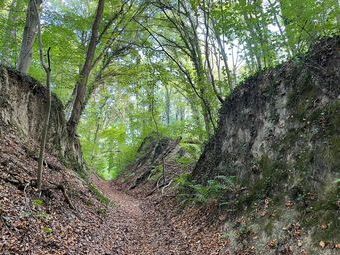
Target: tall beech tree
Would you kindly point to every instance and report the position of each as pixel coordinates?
(81, 85)
(30, 32)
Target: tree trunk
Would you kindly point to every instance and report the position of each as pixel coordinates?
(167, 105)
(79, 102)
(30, 32)
(47, 68)
(224, 57)
(195, 115)
(281, 29)
(207, 53)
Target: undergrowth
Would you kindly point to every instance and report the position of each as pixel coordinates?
(215, 189)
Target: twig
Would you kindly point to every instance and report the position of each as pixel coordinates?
(67, 198)
(166, 186)
(26, 199)
(47, 69)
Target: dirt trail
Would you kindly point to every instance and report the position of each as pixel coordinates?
(146, 229)
(125, 202)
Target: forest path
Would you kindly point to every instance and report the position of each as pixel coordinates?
(146, 230)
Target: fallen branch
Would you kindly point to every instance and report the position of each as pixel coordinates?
(166, 186)
(163, 185)
(67, 198)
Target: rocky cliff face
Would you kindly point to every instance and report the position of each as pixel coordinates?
(279, 135)
(23, 105)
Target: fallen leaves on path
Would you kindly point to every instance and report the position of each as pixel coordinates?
(33, 224)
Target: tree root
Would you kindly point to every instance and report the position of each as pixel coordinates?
(67, 198)
(159, 186)
(24, 186)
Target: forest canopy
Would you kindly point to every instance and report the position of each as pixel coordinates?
(128, 68)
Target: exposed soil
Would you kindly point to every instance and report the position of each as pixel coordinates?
(46, 224)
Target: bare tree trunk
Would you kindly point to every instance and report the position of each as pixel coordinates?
(207, 53)
(281, 29)
(79, 102)
(47, 120)
(30, 31)
(47, 68)
(167, 105)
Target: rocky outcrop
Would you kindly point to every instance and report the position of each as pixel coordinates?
(23, 105)
(279, 135)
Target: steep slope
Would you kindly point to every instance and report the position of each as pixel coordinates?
(71, 215)
(279, 137)
(86, 222)
(23, 106)
(46, 224)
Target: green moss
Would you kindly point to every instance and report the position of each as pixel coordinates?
(38, 202)
(48, 230)
(156, 173)
(332, 153)
(101, 197)
(324, 212)
(274, 173)
(268, 227)
(303, 161)
(327, 117)
(301, 99)
(274, 115)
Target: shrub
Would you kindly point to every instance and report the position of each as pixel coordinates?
(191, 192)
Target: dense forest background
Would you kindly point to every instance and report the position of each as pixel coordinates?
(156, 66)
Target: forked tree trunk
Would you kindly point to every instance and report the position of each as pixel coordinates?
(30, 32)
(81, 85)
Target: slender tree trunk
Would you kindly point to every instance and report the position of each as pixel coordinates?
(201, 84)
(167, 105)
(45, 128)
(195, 115)
(207, 121)
(281, 29)
(207, 53)
(79, 102)
(47, 69)
(224, 57)
(30, 31)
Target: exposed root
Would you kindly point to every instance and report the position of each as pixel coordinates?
(67, 198)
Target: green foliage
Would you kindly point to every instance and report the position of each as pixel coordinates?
(216, 189)
(48, 230)
(186, 161)
(38, 202)
(151, 72)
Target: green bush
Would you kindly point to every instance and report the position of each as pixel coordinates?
(216, 189)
